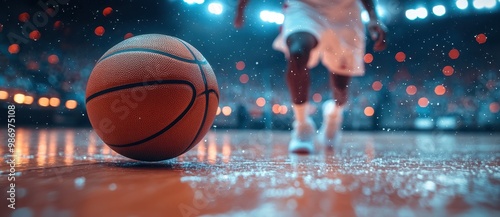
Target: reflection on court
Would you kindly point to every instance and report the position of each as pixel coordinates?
(71, 172)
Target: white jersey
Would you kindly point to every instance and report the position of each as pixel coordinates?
(337, 26)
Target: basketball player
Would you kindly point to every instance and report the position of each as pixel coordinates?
(330, 31)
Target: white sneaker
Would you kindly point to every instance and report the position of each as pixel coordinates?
(330, 132)
(302, 140)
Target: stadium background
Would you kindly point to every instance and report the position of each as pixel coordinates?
(438, 72)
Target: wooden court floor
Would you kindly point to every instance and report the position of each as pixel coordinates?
(70, 172)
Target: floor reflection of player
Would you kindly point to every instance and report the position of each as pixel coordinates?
(329, 31)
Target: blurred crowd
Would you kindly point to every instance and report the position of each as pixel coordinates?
(257, 98)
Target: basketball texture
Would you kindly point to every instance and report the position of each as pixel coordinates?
(152, 97)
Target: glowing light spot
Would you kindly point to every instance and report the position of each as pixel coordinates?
(4, 94)
(481, 38)
(462, 4)
(448, 70)
(71, 104)
(215, 8)
(24, 17)
(368, 58)
(454, 54)
(423, 102)
(57, 25)
(494, 107)
(19, 98)
(128, 35)
(35, 35)
(226, 110)
(244, 78)
(14, 49)
(377, 85)
(54, 102)
(99, 31)
(53, 59)
(272, 17)
(400, 56)
(276, 108)
(32, 65)
(369, 111)
(43, 101)
(421, 12)
(411, 14)
(439, 10)
(440, 90)
(240, 65)
(50, 11)
(283, 109)
(317, 97)
(218, 110)
(107, 11)
(260, 101)
(411, 90)
(28, 100)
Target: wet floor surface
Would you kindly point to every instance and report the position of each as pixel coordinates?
(70, 172)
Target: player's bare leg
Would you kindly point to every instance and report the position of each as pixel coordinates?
(331, 130)
(298, 79)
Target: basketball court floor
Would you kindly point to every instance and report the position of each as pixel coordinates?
(70, 172)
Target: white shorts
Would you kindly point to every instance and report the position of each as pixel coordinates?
(337, 26)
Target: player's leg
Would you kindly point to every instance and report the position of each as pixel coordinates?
(330, 132)
(297, 75)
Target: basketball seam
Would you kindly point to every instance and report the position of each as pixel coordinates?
(195, 61)
(142, 84)
(207, 97)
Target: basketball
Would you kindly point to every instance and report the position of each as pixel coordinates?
(152, 97)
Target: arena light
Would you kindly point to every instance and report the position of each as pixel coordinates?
(480, 4)
(411, 14)
(28, 100)
(421, 12)
(4, 94)
(215, 8)
(43, 101)
(439, 10)
(71, 104)
(19, 98)
(272, 17)
(194, 1)
(54, 101)
(462, 4)
(365, 17)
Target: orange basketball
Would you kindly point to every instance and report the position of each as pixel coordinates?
(152, 97)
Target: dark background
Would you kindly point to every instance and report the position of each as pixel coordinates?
(472, 91)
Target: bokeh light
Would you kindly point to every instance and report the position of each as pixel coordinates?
(107, 11)
(43, 101)
(99, 31)
(454, 54)
(439, 10)
(494, 107)
(369, 111)
(368, 58)
(54, 102)
(411, 90)
(14, 49)
(240, 65)
(462, 4)
(260, 101)
(244, 78)
(215, 8)
(226, 110)
(377, 85)
(71, 104)
(19, 98)
(28, 100)
(400, 56)
(448, 70)
(4, 94)
(423, 102)
(440, 90)
(24, 17)
(128, 35)
(481, 38)
(53, 59)
(317, 97)
(35, 35)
